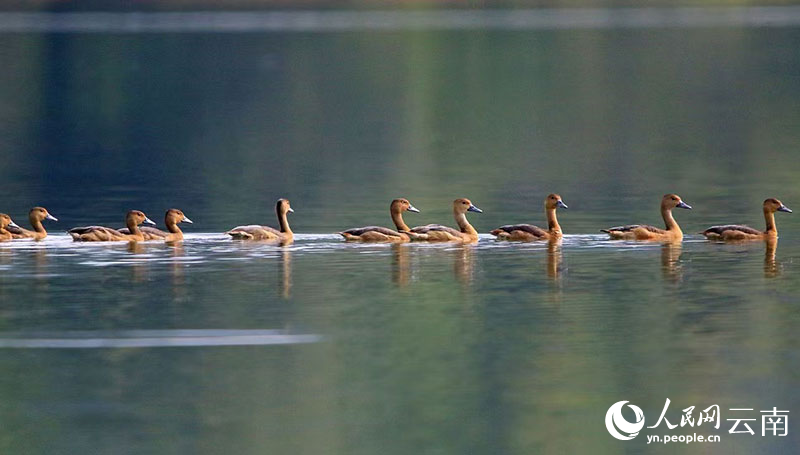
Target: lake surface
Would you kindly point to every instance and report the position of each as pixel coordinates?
(327, 347)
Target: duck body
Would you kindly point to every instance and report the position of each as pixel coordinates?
(171, 220)
(440, 233)
(641, 232)
(259, 232)
(374, 234)
(35, 216)
(646, 232)
(105, 234)
(381, 234)
(255, 232)
(5, 223)
(521, 233)
(739, 232)
(529, 232)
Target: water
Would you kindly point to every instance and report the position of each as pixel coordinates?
(346, 348)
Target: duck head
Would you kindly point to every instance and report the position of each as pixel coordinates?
(138, 217)
(283, 207)
(553, 201)
(40, 214)
(464, 205)
(671, 201)
(176, 216)
(6, 221)
(403, 205)
(774, 205)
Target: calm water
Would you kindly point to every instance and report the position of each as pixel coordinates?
(491, 348)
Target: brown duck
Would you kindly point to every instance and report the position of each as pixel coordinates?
(35, 216)
(737, 232)
(645, 232)
(529, 232)
(382, 234)
(258, 232)
(439, 233)
(171, 220)
(104, 234)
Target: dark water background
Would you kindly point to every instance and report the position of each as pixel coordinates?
(490, 349)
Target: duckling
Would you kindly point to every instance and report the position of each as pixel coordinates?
(529, 232)
(439, 233)
(737, 232)
(171, 220)
(382, 234)
(6, 222)
(35, 216)
(258, 232)
(645, 232)
(104, 234)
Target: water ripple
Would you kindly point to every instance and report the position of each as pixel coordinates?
(86, 339)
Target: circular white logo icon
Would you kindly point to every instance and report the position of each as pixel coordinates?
(621, 428)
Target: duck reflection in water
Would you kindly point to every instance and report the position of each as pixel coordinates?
(463, 264)
(179, 289)
(554, 259)
(285, 284)
(771, 266)
(670, 261)
(401, 265)
(138, 268)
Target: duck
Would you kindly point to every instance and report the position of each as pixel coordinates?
(382, 234)
(439, 233)
(738, 232)
(171, 220)
(6, 222)
(529, 232)
(104, 234)
(258, 232)
(644, 232)
(35, 216)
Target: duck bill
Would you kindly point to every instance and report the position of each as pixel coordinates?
(683, 205)
(783, 208)
(411, 208)
(187, 220)
(291, 210)
(149, 221)
(562, 205)
(472, 208)
(50, 217)
(13, 224)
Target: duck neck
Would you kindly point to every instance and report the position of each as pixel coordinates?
(552, 220)
(769, 217)
(669, 221)
(172, 226)
(133, 228)
(463, 224)
(397, 217)
(284, 222)
(37, 225)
